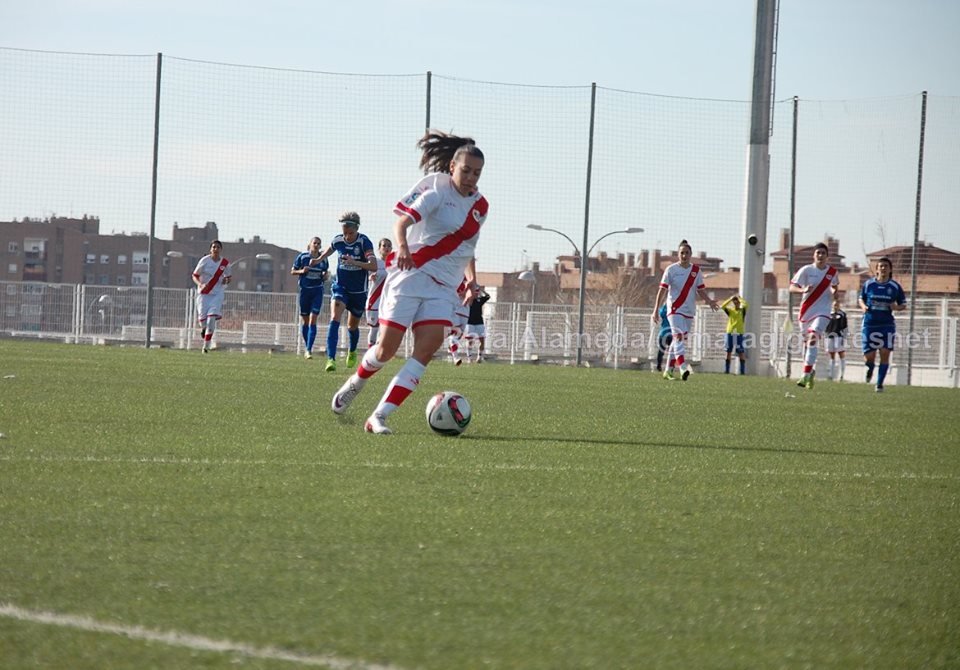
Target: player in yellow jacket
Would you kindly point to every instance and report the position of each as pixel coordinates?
(735, 308)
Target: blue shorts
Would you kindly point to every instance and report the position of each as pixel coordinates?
(734, 340)
(878, 337)
(311, 300)
(356, 303)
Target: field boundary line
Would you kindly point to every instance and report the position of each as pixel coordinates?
(186, 640)
(504, 467)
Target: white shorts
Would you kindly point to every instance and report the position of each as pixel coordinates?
(412, 299)
(679, 324)
(209, 306)
(817, 324)
(460, 319)
(475, 330)
(836, 344)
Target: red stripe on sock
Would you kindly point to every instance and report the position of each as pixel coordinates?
(398, 394)
(365, 372)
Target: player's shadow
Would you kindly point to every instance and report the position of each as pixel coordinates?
(669, 445)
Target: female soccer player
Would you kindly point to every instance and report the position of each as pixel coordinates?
(680, 285)
(817, 282)
(349, 290)
(436, 232)
(836, 334)
(211, 275)
(375, 291)
(312, 272)
(879, 299)
(476, 328)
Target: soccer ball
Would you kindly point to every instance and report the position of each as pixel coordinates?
(448, 413)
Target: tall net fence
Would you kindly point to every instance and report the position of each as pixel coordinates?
(277, 154)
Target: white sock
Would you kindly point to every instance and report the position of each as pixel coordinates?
(402, 385)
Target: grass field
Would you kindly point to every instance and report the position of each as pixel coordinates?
(165, 509)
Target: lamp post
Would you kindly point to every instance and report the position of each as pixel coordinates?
(584, 259)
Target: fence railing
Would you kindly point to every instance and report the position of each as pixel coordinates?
(613, 336)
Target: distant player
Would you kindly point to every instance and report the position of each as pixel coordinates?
(817, 283)
(436, 231)
(312, 272)
(836, 338)
(375, 291)
(880, 297)
(456, 331)
(210, 276)
(664, 340)
(476, 329)
(735, 308)
(680, 285)
(349, 290)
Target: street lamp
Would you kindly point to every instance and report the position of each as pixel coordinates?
(583, 271)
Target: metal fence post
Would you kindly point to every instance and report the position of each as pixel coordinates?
(584, 259)
(916, 235)
(153, 204)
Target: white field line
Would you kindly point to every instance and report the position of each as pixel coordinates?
(175, 639)
(747, 472)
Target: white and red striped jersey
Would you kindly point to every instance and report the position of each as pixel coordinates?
(817, 297)
(207, 269)
(447, 225)
(375, 285)
(682, 284)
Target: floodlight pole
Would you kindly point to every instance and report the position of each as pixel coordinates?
(758, 174)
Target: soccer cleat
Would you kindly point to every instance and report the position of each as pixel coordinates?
(879, 389)
(375, 424)
(352, 359)
(205, 349)
(810, 379)
(685, 372)
(869, 374)
(307, 354)
(342, 398)
(458, 362)
(668, 375)
(802, 382)
(331, 365)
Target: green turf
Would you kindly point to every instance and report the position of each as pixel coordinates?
(587, 519)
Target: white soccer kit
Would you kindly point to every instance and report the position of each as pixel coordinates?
(816, 304)
(442, 241)
(682, 284)
(213, 274)
(375, 292)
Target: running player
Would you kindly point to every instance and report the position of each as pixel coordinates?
(349, 290)
(836, 334)
(817, 283)
(211, 275)
(880, 297)
(312, 272)
(455, 333)
(680, 285)
(439, 221)
(375, 291)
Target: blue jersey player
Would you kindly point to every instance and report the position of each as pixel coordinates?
(349, 290)
(880, 297)
(312, 271)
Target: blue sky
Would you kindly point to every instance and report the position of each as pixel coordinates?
(829, 50)
(698, 48)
